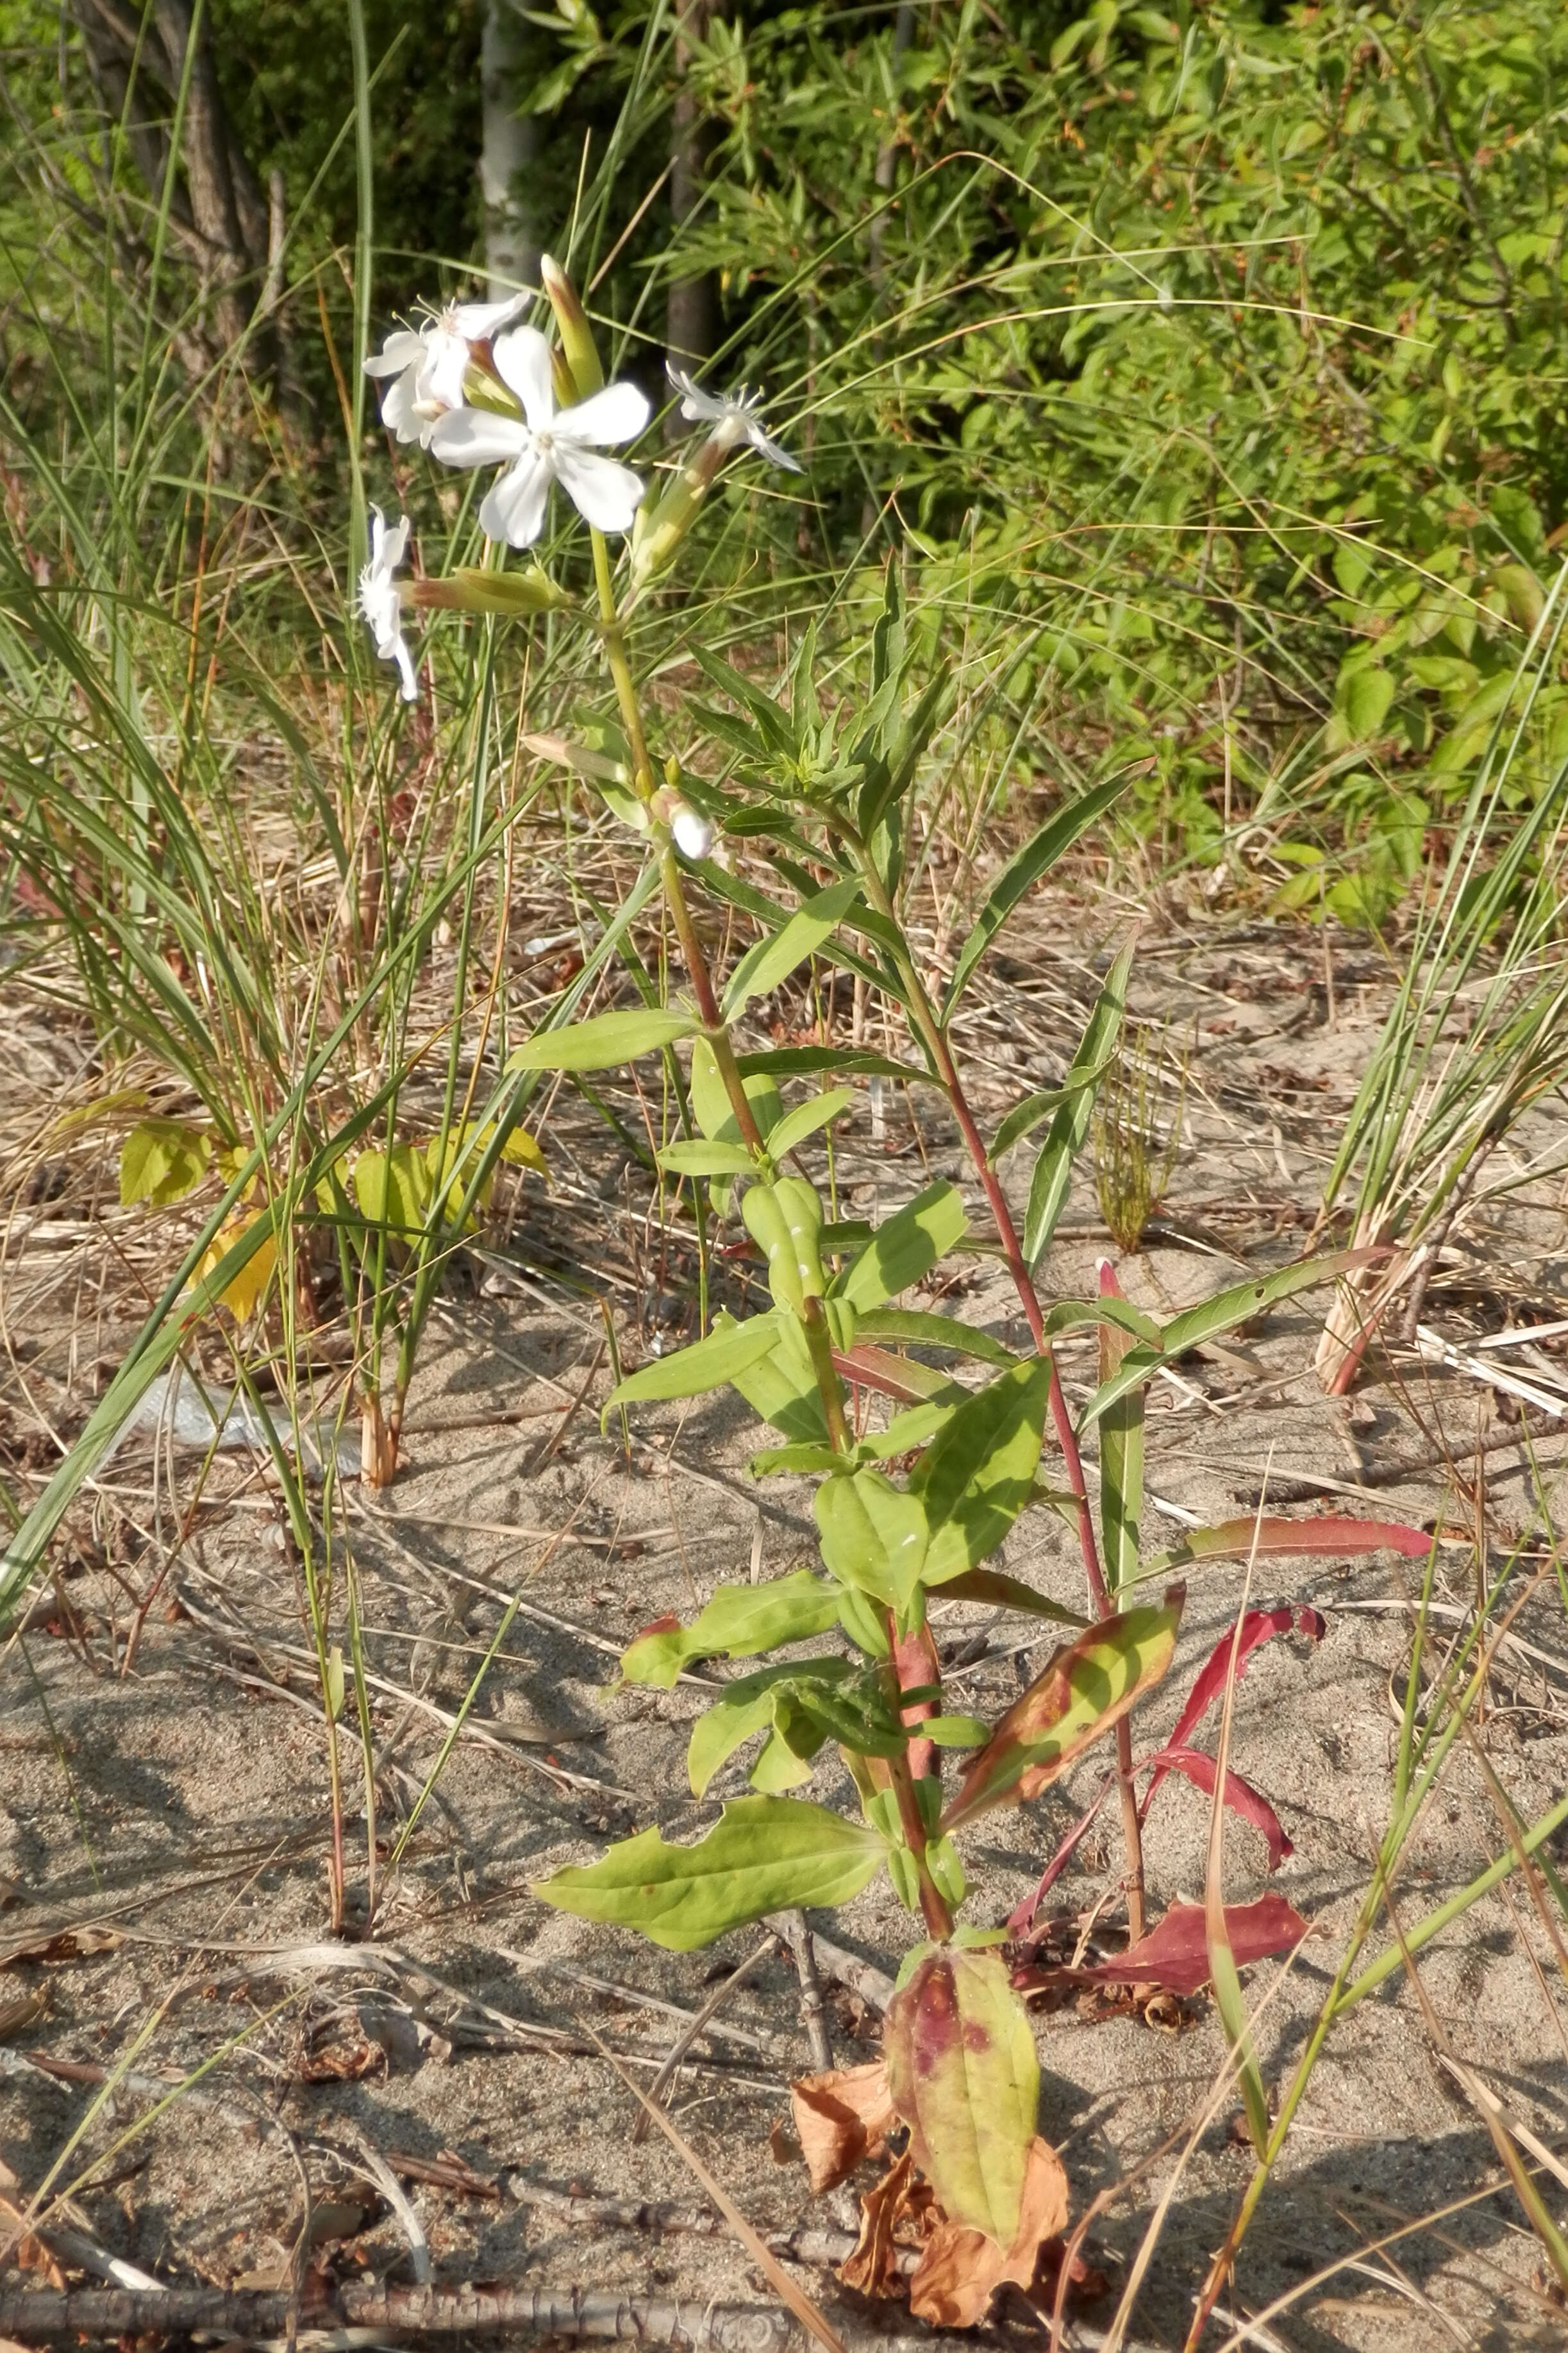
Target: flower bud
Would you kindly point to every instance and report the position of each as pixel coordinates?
(689, 830)
(511, 595)
(659, 530)
(576, 334)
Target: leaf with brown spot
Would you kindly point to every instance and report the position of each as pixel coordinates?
(841, 2116)
(964, 2078)
(962, 2268)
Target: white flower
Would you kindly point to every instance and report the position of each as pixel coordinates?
(693, 835)
(429, 363)
(380, 599)
(562, 446)
(732, 414)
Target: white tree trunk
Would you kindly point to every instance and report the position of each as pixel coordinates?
(511, 143)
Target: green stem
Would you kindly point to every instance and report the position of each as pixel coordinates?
(829, 1386)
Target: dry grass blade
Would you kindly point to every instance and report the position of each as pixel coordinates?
(809, 2315)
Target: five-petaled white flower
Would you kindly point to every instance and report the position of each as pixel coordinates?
(380, 599)
(734, 416)
(546, 444)
(428, 363)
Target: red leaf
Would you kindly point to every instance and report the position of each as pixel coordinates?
(1240, 1795)
(1175, 1955)
(1257, 1627)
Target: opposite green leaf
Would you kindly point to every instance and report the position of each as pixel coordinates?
(906, 1247)
(762, 969)
(916, 1328)
(739, 1621)
(980, 1471)
(806, 1118)
(605, 1042)
(764, 1854)
(705, 1364)
(873, 1536)
(699, 1156)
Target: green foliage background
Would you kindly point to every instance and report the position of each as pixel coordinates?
(1212, 361)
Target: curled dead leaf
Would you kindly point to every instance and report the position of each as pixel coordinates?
(840, 2116)
(962, 2268)
(873, 2269)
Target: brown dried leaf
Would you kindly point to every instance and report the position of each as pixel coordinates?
(342, 2062)
(841, 2116)
(67, 1945)
(873, 2268)
(29, 2253)
(961, 2269)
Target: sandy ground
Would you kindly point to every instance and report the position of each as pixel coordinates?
(164, 1820)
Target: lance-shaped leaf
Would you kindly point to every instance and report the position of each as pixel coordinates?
(805, 1118)
(1175, 1955)
(1258, 1626)
(805, 1702)
(1121, 1454)
(1039, 854)
(605, 1043)
(964, 2078)
(841, 1061)
(764, 1854)
(739, 1621)
(903, 1379)
(1035, 1110)
(873, 1534)
(711, 1104)
(1223, 1313)
(1332, 1536)
(1196, 1766)
(1065, 1137)
(906, 1247)
(701, 1156)
(762, 967)
(981, 1468)
(708, 1364)
(1004, 1592)
(915, 1328)
(1087, 1687)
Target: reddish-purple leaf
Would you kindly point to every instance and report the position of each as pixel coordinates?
(1257, 1627)
(1175, 1955)
(1199, 1767)
(1333, 1536)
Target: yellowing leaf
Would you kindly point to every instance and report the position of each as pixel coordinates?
(242, 1296)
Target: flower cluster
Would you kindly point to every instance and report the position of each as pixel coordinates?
(475, 388)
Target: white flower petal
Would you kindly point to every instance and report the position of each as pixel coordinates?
(400, 410)
(771, 450)
(605, 494)
(619, 413)
(693, 834)
(513, 509)
(478, 321)
(446, 365)
(522, 364)
(390, 547)
(696, 405)
(405, 660)
(477, 436)
(401, 350)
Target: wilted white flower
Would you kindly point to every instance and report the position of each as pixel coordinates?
(732, 414)
(546, 445)
(380, 599)
(428, 363)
